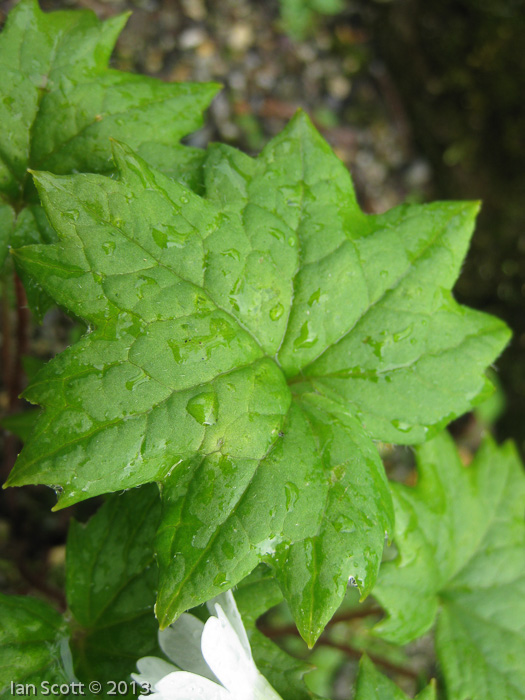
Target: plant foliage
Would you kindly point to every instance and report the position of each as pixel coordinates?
(461, 539)
(60, 104)
(249, 346)
(251, 335)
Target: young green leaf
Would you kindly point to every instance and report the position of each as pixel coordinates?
(33, 644)
(111, 586)
(60, 104)
(373, 685)
(461, 538)
(246, 348)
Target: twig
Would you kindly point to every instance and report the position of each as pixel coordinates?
(380, 661)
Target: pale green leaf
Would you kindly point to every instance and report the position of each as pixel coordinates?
(245, 348)
(461, 539)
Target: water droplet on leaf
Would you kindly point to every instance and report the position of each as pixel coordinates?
(204, 408)
(277, 312)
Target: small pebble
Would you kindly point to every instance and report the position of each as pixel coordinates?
(240, 37)
(191, 38)
(339, 87)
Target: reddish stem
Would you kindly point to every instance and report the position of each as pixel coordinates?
(378, 660)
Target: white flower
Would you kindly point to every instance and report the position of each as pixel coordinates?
(214, 659)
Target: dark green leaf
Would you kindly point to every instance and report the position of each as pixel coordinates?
(21, 424)
(7, 220)
(461, 539)
(61, 103)
(111, 586)
(33, 644)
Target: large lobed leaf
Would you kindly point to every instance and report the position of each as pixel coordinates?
(246, 348)
(461, 539)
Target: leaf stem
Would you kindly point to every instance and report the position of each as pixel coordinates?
(378, 660)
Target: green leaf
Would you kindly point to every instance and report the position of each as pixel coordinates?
(298, 16)
(33, 644)
(7, 220)
(21, 424)
(256, 594)
(461, 538)
(32, 226)
(246, 348)
(373, 685)
(111, 586)
(60, 104)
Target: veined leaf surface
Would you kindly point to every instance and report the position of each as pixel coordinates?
(246, 348)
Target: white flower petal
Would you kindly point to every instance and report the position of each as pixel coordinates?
(188, 686)
(227, 602)
(152, 670)
(181, 642)
(226, 656)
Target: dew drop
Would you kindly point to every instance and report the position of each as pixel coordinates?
(402, 427)
(160, 238)
(71, 214)
(292, 494)
(232, 253)
(108, 247)
(134, 383)
(204, 408)
(277, 312)
(402, 335)
(220, 579)
(306, 338)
